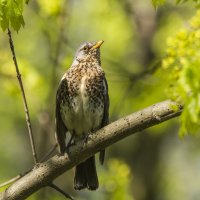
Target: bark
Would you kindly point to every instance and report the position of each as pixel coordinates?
(44, 173)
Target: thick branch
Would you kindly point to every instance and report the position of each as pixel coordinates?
(44, 173)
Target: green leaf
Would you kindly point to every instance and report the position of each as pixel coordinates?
(11, 14)
(182, 62)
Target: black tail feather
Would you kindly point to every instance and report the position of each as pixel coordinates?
(80, 181)
(86, 175)
(102, 156)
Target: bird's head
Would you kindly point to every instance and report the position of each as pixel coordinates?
(89, 51)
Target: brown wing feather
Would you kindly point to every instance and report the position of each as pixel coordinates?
(105, 117)
(61, 129)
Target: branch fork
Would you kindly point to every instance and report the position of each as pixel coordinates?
(46, 172)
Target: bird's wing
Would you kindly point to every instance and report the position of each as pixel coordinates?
(105, 115)
(106, 104)
(60, 126)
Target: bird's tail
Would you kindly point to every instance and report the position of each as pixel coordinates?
(86, 175)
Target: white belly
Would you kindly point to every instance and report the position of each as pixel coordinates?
(82, 117)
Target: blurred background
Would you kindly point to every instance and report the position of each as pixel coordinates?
(153, 165)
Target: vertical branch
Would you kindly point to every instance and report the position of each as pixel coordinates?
(28, 122)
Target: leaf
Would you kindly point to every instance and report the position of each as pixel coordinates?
(11, 14)
(184, 51)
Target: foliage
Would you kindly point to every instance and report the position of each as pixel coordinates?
(183, 64)
(45, 49)
(11, 14)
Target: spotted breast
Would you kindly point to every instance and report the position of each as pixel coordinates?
(83, 108)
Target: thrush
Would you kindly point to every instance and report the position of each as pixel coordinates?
(82, 105)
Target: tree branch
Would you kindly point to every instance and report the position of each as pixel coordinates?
(44, 173)
(60, 191)
(10, 181)
(28, 121)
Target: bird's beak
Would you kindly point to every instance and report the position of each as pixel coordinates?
(97, 44)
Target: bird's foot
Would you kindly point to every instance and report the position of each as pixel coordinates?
(86, 137)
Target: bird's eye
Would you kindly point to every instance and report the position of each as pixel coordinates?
(85, 48)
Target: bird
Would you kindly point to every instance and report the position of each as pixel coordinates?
(82, 107)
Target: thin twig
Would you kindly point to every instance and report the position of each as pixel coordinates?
(49, 153)
(43, 174)
(61, 191)
(134, 78)
(10, 181)
(24, 98)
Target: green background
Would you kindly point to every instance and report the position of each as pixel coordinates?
(155, 164)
